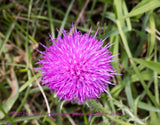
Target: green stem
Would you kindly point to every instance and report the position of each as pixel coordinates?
(124, 40)
(97, 106)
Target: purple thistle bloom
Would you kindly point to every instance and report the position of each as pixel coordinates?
(77, 67)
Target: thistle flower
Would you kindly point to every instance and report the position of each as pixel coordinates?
(76, 67)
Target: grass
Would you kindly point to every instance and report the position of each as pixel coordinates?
(132, 25)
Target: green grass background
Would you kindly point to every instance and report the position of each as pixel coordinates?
(133, 24)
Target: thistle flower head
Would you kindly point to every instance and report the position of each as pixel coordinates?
(77, 67)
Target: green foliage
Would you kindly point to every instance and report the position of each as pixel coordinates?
(133, 27)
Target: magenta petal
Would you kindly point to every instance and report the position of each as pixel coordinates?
(76, 67)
